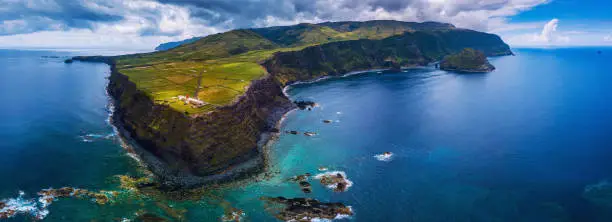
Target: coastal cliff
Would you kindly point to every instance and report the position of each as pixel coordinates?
(407, 50)
(186, 149)
(189, 150)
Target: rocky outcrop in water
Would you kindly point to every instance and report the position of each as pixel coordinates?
(336, 180)
(467, 61)
(305, 209)
(305, 104)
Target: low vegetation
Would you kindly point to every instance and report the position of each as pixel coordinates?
(468, 60)
(218, 68)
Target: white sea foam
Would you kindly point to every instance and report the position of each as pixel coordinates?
(236, 216)
(344, 216)
(386, 157)
(91, 137)
(338, 217)
(20, 205)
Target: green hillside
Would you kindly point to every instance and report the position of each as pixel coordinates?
(304, 34)
(301, 34)
(409, 49)
(467, 61)
(224, 64)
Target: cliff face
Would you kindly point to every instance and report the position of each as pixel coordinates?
(409, 49)
(192, 150)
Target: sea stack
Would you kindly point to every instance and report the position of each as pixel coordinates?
(467, 61)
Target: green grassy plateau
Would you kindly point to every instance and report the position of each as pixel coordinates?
(224, 64)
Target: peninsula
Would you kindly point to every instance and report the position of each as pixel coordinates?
(203, 111)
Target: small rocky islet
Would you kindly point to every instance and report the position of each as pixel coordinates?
(302, 181)
(335, 180)
(467, 61)
(303, 104)
(304, 209)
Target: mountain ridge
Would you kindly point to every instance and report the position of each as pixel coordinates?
(332, 30)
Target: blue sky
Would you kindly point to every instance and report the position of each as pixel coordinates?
(142, 24)
(578, 23)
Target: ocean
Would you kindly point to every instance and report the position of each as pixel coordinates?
(527, 142)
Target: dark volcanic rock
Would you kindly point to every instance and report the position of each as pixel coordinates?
(304, 209)
(467, 61)
(300, 178)
(336, 181)
(340, 187)
(305, 104)
(309, 134)
(306, 188)
(150, 217)
(146, 184)
(304, 184)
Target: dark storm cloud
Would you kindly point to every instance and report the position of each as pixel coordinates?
(23, 16)
(248, 10)
(242, 13)
(36, 15)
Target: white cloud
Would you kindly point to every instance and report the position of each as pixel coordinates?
(607, 38)
(549, 35)
(474, 14)
(145, 23)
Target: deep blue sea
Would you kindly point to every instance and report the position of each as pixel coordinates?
(531, 141)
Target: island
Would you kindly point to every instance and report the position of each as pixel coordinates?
(467, 61)
(204, 112)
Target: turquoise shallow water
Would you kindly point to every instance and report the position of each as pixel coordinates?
(527, 142)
